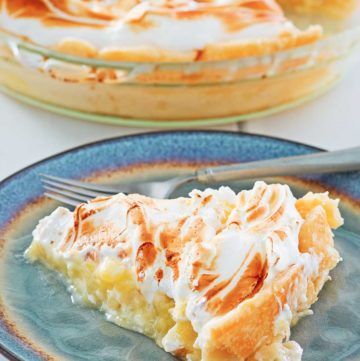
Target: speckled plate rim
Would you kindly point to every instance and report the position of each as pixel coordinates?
(26, 348)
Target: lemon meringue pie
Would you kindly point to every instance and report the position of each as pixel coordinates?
(211, 61)
(215, 276)
(156, 30)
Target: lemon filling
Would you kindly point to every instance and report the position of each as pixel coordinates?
(111, 288)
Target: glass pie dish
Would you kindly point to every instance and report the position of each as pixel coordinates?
(173, 94)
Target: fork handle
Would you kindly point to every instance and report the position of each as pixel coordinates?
(317, 163)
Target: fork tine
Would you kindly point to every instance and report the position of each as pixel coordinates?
(62, 199)
(79, 184)
(76, 190)
(78, 197)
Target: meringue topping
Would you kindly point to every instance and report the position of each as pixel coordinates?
(173, 25)
(93, 13)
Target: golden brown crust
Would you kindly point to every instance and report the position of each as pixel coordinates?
(252, 323)
(77, 48)
(233, 50)
(316, 236)
(146, 54)
(338, 9)
(211, 52)
(310, 201)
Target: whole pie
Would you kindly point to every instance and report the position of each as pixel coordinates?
(164, 30)
(215, 276)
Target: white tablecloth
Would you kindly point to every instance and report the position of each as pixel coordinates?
(28, 135)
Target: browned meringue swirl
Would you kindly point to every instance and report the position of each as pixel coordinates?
(234, 14)
(252, 220)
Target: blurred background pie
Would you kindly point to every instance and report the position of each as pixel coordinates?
(181, 59)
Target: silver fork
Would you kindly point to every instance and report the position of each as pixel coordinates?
(73, 192)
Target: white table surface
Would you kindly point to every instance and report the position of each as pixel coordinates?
(28, 135)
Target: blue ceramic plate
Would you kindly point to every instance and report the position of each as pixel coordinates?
(38, 320)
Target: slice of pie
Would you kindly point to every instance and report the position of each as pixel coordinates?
(216, 276)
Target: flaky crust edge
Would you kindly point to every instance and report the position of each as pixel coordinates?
(252, 325)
